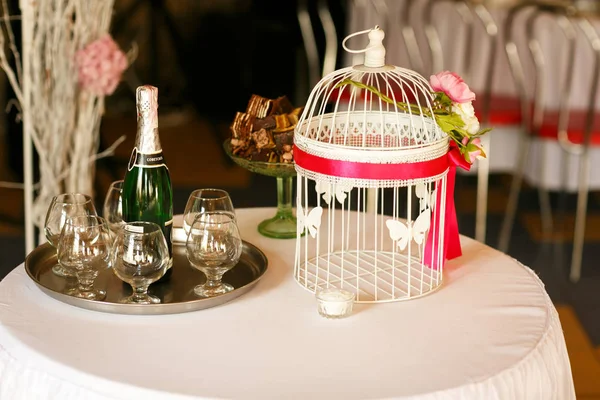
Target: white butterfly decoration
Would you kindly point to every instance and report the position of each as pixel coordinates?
(427, 199)
(310, 220)
(325, 189)
(403, 233)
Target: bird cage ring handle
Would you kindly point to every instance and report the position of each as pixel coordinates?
(375, 51)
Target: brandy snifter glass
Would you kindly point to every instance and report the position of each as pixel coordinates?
(83, 251)
(140, 257)
(213, 246)
(61, 208)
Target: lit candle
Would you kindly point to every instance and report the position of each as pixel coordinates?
(334, 303)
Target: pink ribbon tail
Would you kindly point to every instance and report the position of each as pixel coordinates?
(451, 238)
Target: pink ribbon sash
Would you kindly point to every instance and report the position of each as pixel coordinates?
(451, 238)
(360, 170)
(418, 170)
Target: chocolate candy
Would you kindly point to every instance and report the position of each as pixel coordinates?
(265, 132)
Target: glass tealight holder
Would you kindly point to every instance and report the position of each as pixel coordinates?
(334, 303)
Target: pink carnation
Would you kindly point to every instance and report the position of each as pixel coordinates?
(453, 85)
(100, 66)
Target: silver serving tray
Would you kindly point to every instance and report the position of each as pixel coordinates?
(176, 295)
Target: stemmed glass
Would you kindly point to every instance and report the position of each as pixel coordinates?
(113, 206)
(84, 250)
(214, 247)
(206, 200)
(63, 207)
(140, 257)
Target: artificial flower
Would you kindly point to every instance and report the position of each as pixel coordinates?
(100, 66)
(452, 85)
(473, 149)
(452, 110)
(467, 114)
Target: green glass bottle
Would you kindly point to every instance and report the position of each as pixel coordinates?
(147, 191)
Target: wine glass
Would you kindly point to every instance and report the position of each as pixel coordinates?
(140, 257)
(62, 207)
(206, 200)
(84, 250)
(214, 247)
(113, 206)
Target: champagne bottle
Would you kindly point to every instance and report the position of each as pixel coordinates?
(147, 191)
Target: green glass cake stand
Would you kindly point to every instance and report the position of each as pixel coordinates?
(283, 224)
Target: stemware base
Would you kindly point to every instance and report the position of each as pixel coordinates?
(212, 291)
(148, 299)
(61, 271)
(279, 227)
(95, 294)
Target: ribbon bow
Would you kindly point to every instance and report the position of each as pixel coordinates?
(451, 239)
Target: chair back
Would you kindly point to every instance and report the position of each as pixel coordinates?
(316, 68)
(533, 85)
(316, 16)
(593, 39)
(470, 56)
(405, 18)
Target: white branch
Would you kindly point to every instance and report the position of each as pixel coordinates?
(62, 121)
(10, 74)
(11, 41)
(11, 185)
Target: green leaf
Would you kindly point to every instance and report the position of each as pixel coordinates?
(471, 147)
(456, 119)
(482, 132)
(483, 153)
(445, 125)
(443, 99)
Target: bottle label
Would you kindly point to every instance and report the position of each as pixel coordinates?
(142, 160)
(134, 229)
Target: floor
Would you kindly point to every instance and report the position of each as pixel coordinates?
(192, 148)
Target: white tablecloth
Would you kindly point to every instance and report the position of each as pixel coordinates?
(491, 332)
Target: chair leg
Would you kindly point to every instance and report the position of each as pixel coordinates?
(561, 207)
(582, 199)
(513, 197)
(545, 213)
(371, 200)
(483, 173)
(544, 198)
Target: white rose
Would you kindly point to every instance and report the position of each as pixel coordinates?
(465, 110)
(472, 125)
(467, 114)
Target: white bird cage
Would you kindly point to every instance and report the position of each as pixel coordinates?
(366, 209)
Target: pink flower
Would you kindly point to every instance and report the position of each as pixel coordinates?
(100, 65)
(453, 85)
(475, 145)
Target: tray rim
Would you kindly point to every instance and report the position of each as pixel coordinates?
(147, 309)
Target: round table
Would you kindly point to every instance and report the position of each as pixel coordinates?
(491, 332)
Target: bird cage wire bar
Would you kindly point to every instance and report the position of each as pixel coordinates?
(328, 94)
(368, 136)
(377, 274)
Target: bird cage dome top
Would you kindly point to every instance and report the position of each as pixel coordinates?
(371, 112)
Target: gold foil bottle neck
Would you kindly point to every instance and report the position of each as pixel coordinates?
(147, 140)
(147, 105)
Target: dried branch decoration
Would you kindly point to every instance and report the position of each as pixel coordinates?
(61, 116)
